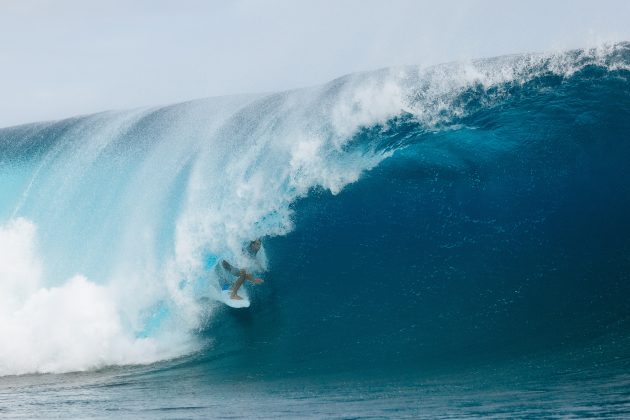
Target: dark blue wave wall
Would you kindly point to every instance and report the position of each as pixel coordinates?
(504, 235)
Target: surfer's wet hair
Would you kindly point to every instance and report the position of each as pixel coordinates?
(254, 246)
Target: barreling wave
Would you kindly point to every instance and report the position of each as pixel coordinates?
(110, 224)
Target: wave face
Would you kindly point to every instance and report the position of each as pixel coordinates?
(409, 217)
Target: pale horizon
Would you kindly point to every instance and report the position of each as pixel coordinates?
(66, 58)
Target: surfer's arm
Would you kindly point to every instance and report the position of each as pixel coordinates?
(252, 279)
(256, 280)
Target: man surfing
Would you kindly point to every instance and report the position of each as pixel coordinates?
(240, 273)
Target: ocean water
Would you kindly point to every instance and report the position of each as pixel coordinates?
(444, 242)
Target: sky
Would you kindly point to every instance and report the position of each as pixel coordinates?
(60, 58)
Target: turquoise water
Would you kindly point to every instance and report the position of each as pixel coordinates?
(519, 389)
(442, 242)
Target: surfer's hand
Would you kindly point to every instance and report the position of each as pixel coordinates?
(257, 281)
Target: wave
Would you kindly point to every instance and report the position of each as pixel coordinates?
(407, 211)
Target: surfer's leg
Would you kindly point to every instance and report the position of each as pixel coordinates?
(230, 268)
(237, 285)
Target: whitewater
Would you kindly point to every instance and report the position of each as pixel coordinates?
(441, 183)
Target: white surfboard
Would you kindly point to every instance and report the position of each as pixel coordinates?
(235, 303)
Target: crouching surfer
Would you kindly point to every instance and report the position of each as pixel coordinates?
(241, 273)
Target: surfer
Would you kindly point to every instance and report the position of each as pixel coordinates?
(242, 274)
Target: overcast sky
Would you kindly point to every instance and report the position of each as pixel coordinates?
(60, 58)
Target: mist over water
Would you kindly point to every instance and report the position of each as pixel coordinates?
(126, 208)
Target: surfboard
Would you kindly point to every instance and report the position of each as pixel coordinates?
(234, 303)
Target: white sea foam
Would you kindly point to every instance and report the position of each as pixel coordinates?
(74, 326)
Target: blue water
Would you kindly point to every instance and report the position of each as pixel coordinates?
(443, 242)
